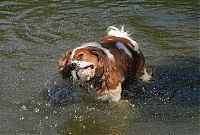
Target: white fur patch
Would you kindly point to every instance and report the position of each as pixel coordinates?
(96, 45)
(113, 31)
(119, 45)
(82, 64)
(112, 95)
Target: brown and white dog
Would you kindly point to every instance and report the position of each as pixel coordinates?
(111, 61)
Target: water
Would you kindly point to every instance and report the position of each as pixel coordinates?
(35, 33)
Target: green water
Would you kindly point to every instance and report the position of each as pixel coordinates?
(35, 33)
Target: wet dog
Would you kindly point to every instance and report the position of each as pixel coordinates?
(105, 65)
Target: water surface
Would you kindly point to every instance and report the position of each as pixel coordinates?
(33, 36)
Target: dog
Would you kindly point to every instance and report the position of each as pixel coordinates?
(105, 65)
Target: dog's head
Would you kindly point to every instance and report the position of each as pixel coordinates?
(83, 63)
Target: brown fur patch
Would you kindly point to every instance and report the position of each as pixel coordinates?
(64, 64)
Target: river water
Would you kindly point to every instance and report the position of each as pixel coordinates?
(35, 100)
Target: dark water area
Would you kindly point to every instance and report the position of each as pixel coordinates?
(35, 100)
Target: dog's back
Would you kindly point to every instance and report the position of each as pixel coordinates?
(126, 52)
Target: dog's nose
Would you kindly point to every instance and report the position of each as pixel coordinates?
(72, 66)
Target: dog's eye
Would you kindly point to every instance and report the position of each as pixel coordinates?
(80, 56)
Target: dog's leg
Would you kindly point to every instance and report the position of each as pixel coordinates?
(111, 95)
(115, 95)
(146, 77)
(141, 72)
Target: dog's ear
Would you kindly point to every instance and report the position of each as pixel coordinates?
(97, 53)
(64, 63)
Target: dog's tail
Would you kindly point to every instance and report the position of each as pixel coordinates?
(114, 31)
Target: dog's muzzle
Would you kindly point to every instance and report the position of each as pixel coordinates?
(72, 66)
(82, 70)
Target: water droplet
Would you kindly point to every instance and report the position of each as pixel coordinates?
(45, 84)
(48, 104)
(40, 124)
(54, 112)
(21, 118)
(24, 107)
(36, 110)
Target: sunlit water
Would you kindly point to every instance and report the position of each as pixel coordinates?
(35, 100)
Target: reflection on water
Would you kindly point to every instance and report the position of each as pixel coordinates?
(35, 100)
